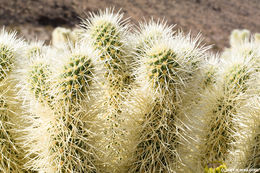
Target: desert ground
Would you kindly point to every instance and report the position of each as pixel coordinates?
(214, 19)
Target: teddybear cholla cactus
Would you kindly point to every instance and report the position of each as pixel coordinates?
(10, 52)
(163, 71)
(59, 138)
(219, 109)
(107, 34)
(245, 153)
(202, 81)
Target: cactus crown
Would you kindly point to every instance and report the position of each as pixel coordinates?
(150, 32)
(108, 32)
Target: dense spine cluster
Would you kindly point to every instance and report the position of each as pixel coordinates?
(107, 32)
(164, 70)
(11, 153)
(105, 98)
(70, 140)
(61, 112)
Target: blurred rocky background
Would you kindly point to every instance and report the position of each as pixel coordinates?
(215, 19)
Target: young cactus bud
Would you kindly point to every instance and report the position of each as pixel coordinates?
(221, 168)
(164, 70)
(107, 34)
(219, 108)
(237, 37)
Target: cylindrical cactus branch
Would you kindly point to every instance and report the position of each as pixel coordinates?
(11, 50)
(246, 150)
(34, 89)
(61, 135)
(107, 33)
(71, 132)
(219, 107)
(203, 81)
(164, 69)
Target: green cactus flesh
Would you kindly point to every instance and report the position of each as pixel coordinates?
(107, 40)
(38, 80)
(210, 77)
(76, 77)
(161, 68)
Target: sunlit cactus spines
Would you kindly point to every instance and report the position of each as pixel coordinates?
(35, 73)
(38, 80)
(65, 87)
(107, 97)
(106, 32)
(245, 154)
(220, 107)
(9, 151)
(149, 32)
(10, 49)
(164, 70)
(203, 81)
(73, 120)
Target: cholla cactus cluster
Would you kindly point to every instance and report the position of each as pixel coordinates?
(108, 98)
